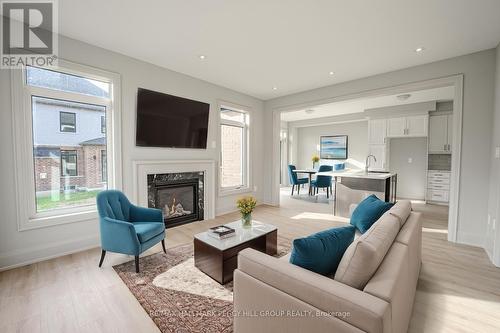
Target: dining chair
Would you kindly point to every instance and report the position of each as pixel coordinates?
(324, 182)
(294, 180)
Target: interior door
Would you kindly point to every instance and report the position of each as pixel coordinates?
(416, 125)
(438, 135)
(396, 127)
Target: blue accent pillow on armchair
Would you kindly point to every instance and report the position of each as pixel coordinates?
(322, 251)
(368, 212)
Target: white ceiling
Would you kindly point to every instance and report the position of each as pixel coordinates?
(360, 105)
(252, 46)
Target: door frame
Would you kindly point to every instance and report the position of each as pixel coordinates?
(454, 80)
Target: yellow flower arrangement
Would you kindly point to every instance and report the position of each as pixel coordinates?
(246, 204)
(315, 159)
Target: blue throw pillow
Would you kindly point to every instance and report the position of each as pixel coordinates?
(368, 212)
(321, 252)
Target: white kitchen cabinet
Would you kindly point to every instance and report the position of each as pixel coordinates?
(412, 126)
(438, 196)
(417, 125)
(440, 134)
(438, 186)
(380, 153)
(396, 127)
(377, 131)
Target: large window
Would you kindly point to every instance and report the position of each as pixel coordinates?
(234, 149)
(68, 166)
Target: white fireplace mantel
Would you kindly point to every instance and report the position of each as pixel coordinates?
(143, 168)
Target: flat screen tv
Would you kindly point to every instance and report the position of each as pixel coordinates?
(333, 147)
(170, 121)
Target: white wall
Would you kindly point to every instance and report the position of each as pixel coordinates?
(412, 177)
(308, 141)
(479, 73)
(21, 247)
(492, 235)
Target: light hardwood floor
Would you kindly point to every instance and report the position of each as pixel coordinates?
(458, 289)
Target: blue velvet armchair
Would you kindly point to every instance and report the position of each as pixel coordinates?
(126, 228)
(294, 180)
(323, 181)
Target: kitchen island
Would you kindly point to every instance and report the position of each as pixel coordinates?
(352, 186)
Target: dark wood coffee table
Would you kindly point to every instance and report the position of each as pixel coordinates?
(219, 258)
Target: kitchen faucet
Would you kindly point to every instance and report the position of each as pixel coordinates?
(367, 162)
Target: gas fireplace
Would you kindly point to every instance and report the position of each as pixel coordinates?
(178, 195)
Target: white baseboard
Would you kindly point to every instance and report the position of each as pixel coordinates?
(224, 211)
(232, 209)
(471, 239)
(27, 256)
(492, 258)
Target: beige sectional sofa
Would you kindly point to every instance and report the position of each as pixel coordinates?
(372, 291)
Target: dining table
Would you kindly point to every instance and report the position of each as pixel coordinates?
(310, 173)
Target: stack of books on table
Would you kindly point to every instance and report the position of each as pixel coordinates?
(221, 232)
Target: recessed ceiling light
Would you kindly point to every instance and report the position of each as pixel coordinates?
(419, 49)
(331, 73)
(275, 88)
(202, 57)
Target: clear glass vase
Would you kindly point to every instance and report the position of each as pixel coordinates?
(246, 220)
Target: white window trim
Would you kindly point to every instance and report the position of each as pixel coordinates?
(247, 174)
(27, 217)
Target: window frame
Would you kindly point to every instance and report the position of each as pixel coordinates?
(246, 170)
(61, 122)
(22, 118)
(104, 152)
(69, 152)
(103, 124)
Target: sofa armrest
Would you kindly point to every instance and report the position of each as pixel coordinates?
(366, 312)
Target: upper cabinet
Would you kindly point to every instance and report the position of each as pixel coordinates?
(377, 131)
(412, 126)
(417, 125)
(440, 133)
(396, 127)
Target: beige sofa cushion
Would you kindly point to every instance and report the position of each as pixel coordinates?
(411, 236)
(401, 210)
(392, 283)
(364, 255)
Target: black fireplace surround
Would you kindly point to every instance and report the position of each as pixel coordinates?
(180, 196)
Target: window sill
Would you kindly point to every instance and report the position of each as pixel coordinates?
(224, 192)
(37, 222)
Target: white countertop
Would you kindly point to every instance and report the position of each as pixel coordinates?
(242, 234)
(357, 173)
